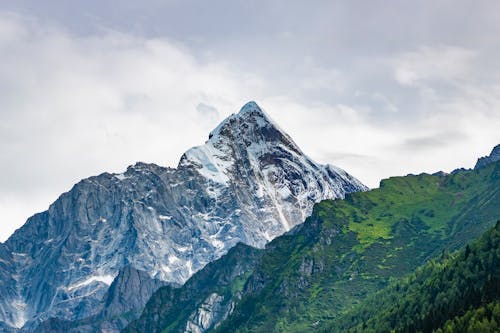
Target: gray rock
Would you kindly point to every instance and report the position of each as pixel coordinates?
(123, 302)
(211, 311)
(205, 300)
(493, 157)
(249, 182)
(130, 290)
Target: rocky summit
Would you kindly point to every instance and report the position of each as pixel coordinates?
(248, 183)
(493, 157)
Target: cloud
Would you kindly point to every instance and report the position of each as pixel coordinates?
(208, 111)
(433, 141)
(73, 106)
(95, 88)
(444, 63)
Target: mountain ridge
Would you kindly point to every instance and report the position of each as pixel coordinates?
(491, 158)
(347, 249)
(248, 183)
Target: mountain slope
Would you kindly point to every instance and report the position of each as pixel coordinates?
(249, 183)
(123, 302)
(442, 289)
(364, 241)
(350, 248)
(484, 319)
(204, 300)
(10, 307)
(494, 156)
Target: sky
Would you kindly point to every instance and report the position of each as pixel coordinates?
(379, 88)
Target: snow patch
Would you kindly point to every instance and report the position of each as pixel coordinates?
(210, 162)
(284, 192)
(121, 176)
(189, 266)
(173, 259)
(20, 316)
(219, 245)
(106, 279)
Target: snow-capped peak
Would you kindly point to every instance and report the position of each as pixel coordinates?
(250, 133)
(247, 112)
(251, 123)
(248, 183)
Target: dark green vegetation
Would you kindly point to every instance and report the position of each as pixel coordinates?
(484, 319)
(444, 288)
(349, 249)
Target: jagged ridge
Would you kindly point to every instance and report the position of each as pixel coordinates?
(493, 157)
(249, 182)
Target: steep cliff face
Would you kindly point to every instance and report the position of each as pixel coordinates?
(10, 305)
(208, 313)
(248, 183)
(205, 300)
(123, 302)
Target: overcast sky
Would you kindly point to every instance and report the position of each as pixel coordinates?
(379, 88)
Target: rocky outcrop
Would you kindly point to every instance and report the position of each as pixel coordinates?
(123, 302)
(210, 312)
(493, 157)
(204, 301)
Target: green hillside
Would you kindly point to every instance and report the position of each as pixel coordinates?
(349, 249)
(483, 319)
(459, 293)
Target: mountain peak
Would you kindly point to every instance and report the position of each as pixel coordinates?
(249, 107)
(250, 132)
(248, 183)
(493, 157)
(251, 116)
(253, 110)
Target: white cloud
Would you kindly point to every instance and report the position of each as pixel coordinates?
(74, 105)
(443, 63)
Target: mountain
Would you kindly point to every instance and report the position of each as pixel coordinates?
(436, 295)
(347, 250)
(493, 157)
(248, 183)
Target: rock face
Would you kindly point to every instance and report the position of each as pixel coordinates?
(205, 300)
(493, 157)
(210, 312)
(124, 301)
(131, 289)
(248, 183)
(10, 307)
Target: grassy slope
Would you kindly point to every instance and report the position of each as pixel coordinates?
(350, 248)
(443, 289)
